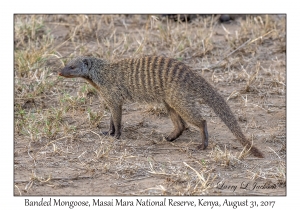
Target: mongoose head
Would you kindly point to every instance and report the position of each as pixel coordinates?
(78, 67)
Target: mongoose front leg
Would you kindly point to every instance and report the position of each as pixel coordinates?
(116, 118)
(179, 124)
(111, 130)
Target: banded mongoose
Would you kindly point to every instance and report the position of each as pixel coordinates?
(160, 80)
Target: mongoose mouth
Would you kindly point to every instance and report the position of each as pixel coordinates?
(67, 76)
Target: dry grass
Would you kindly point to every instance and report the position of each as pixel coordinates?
(58, 146)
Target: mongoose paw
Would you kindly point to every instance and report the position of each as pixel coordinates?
(168, 138)
(117, 135)
(202, 146)
(108, 133)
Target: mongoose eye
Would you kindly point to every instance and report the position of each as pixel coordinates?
(72, 67)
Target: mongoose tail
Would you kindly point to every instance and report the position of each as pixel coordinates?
(221, 108)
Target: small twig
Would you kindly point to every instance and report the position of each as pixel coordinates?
(225, 29)
(57, 178)
(199, 176)
(18, 189)
(275, 152)
(51, 143)
(241, 46)
(245, 43)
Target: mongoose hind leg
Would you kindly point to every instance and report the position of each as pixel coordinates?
(111, 130)
(179, 124)
(192, 115)
(204, 133)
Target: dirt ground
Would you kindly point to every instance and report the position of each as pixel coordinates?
(58, 145)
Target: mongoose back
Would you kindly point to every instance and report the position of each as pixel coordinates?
(160, 80)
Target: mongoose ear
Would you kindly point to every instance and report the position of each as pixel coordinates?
(87, 62)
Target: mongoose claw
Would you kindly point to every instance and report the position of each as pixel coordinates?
(202, 146)
(109, 133)
(168, 138)
(117, 136)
